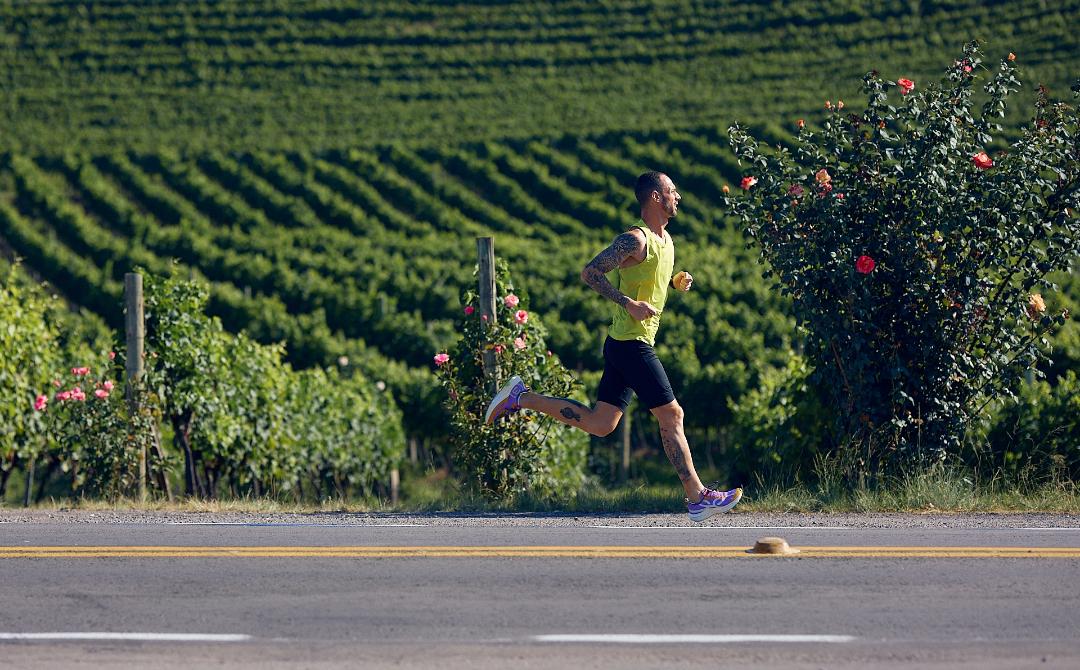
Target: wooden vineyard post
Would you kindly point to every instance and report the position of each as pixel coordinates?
(135, 328)
(485, 247)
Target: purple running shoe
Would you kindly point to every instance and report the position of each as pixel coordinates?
(506, 400)
(713, 502)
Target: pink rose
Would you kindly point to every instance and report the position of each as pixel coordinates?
(499, 348)
(519, 343)
(78, 394)
(484, 317)
(79, 372)
(511, 301)
(865, 265)
(906, 85)
(101, 394)
(112, 355)
(40, 403)
(982, 161)
(747, 182)
(441, 359)
(521, 316)
(469, 309)
(63, 395)
(549, 352)
(796, 190)
(56, 383)
(108, 385)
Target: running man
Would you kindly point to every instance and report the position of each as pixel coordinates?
(645, 258)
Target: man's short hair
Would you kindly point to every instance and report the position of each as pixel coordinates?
(646, 184)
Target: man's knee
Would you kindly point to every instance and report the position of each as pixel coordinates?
(669, 414)
(605, 418)
(603, 428)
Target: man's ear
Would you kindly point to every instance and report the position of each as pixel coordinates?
(656, 196)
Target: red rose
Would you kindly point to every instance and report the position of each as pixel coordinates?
(982, 161)
(865, 265)
(906, 85)
(747, 182)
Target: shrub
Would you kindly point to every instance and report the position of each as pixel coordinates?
(92, 434)
(28, 351)
(1038, 436)
(247, 423)
(779, 428)
(916, 261)
(525, 452)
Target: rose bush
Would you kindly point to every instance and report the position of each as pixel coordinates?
(39, 332)
(93, 436)
(525, 452)
(910, 253)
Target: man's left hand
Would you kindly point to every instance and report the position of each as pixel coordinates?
(683, 281)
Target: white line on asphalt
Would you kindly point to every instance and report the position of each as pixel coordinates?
(138, 637)
(827, 528)
(676, 639)
(315, 525)
(736, 527)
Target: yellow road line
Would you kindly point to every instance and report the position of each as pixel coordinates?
(524, 552)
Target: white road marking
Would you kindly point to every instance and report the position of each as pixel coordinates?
(879, 528)
(137, 637)
(678, 639)
(314, 525)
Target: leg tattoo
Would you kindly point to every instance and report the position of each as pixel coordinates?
(674, 453)
(569, 411)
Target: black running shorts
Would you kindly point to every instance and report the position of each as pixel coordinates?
(631, 366)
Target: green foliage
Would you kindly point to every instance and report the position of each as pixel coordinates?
(525, 452)
(912, 258)
(779, 428)
(1037, 436)
(93, 436)
(316, 168)
(313, 75)
(247, 423)
(28, 352)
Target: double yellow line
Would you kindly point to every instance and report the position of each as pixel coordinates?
(614, 551)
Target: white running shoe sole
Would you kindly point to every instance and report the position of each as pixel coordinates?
(502, 396)
(719, 509)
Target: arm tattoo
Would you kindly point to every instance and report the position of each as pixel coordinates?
(674, 453)
(606, 261)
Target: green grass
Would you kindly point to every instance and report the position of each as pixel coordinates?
(946, 491)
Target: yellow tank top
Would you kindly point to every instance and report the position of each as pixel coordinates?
(649, 281)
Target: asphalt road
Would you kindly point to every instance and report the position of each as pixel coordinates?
(489, 608)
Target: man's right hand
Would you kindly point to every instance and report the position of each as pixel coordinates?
(640, 310)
